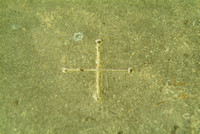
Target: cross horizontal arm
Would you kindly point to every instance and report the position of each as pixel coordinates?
(114, 70)
(65, 70)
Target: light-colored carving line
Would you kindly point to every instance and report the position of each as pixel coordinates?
(97, 96)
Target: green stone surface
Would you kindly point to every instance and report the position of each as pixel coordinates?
(159, 39)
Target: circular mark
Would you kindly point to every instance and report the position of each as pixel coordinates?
(99, 41)
(78, 36)
(131, 70)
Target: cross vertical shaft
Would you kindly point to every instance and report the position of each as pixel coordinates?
(98, 88)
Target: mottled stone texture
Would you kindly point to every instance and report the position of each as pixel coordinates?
(159, 39)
